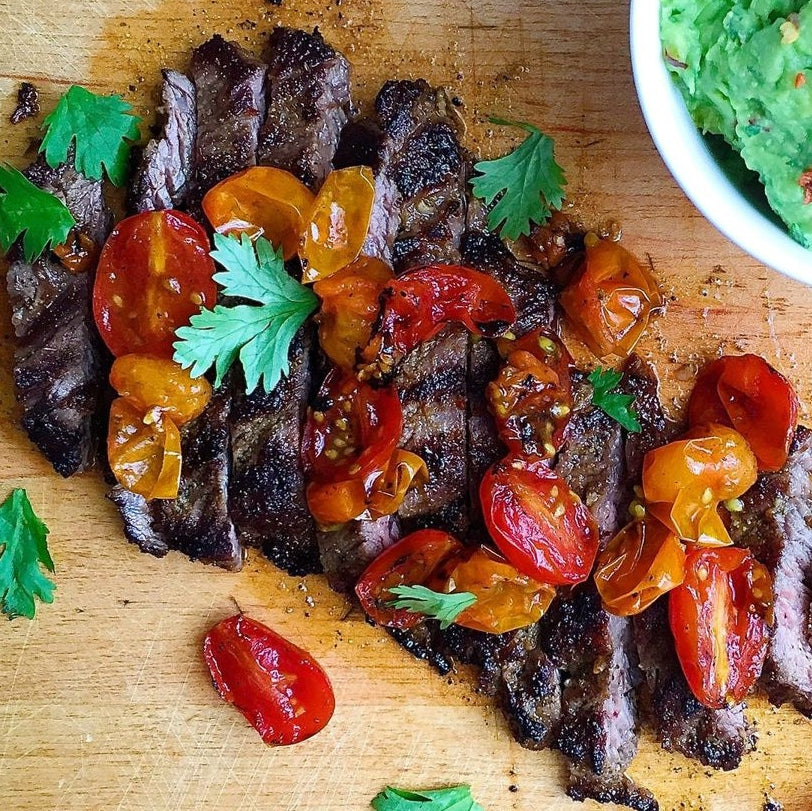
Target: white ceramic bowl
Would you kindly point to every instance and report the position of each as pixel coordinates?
(686, 154)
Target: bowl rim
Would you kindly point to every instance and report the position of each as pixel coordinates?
(688, 158)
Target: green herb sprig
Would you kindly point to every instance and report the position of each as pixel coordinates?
(432, 604)
(454, 798)
(616, 405)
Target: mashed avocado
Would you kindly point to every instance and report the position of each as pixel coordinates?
(745, 70)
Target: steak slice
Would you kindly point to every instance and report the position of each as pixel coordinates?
(60, 363)
(308, 93)
(230, 89)
(776, 525)
(162, 179)
(197, 521)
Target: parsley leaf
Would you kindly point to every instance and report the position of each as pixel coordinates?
(24, 547)
(259, 335)
(26, 209)
(101, 128)
(455, 798)
(434, 604)
(526, 183)
(617, 406)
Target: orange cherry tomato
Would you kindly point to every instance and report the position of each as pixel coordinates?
(684, 481)
(411, 561)
(350, 303)
(642, 562)
(338, 222)
(154, 274)
(720, 618)
(506, 598)
(148, 383)
(144, 450)
(263, 201)
(610, 299)
(747, 393)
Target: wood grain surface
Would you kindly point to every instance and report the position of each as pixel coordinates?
(105, 702)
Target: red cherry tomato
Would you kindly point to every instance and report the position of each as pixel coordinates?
(154, 274)
(280, 689)
(411, 561)
(745, 392)
(720, 618)
(537, 522)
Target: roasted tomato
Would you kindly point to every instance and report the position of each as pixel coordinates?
(684, 481)
(719, 618)
(416, 306)
(349, 308)
(610, 299)
(144, 450)
(154, 274)
(531, 397)
(643, 561)
(339, 222)
(263, 201)
(148, 383)
(745, 392)
(412, 561)
(537, 522)
(506, 598)
(280, 689)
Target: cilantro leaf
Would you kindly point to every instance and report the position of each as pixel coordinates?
(527, 183)
(23, 541)
(26, 209)
(454, 798)
(618, 406)
(101, 128)
(259, 335)
(434, 604)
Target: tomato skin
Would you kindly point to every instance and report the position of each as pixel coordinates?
(641, 563)
(262, 200)
(154, 274)
(720, 619)
(279, 688)
(745, 392)
(537, 522)
(610, 300)
(411, 561)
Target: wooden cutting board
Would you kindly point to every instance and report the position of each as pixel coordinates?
(105, 701)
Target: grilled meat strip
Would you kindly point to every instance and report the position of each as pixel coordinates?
(60, 363)
(776, 525)
(308, 92)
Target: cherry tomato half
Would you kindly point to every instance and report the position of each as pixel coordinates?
(506, 598)
(537, 522)
(154, 274)
(262, 200)
(641, 563)
(719, 618)
(746, 393)
(685, 481)
(411, 561)
(280, 688)
(611, 298)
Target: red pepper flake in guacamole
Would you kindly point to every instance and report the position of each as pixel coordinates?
(805, 182)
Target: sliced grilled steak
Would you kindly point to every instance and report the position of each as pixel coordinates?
(308, 94)
(197, 521)
(776, 525)
(163, 176)
(60, 363)
(230, 90)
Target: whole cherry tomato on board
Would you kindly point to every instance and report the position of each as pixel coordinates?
(262, 200)
(154, 274)
(610, 299)
(720, 619)
(280, 689)
(537, 522)
(745, 392)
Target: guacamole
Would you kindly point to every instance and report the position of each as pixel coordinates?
(744, 68)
